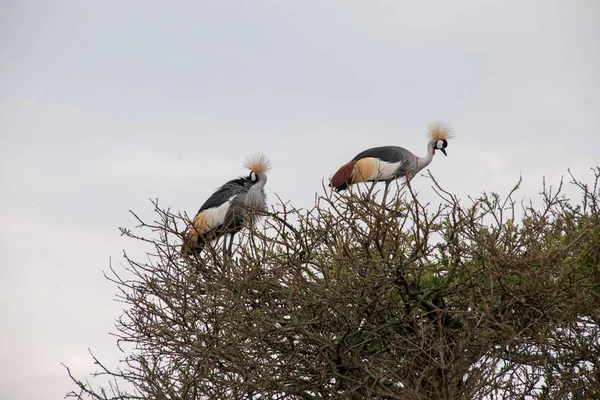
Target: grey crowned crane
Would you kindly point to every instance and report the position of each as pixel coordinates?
(391, 162)
(226, 210)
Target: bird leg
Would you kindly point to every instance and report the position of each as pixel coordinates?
(225, 256)
(385, 192)
(227, 250)
(230, 249)
(384, 201)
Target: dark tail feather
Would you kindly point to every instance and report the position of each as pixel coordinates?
(343, 177)
(343, 187)
(192, 245)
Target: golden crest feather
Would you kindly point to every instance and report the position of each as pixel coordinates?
(439, 130)
(258, 162)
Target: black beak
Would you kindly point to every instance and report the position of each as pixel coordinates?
(444, 151)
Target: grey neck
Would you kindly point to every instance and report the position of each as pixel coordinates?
(256, 198)
(422, 162)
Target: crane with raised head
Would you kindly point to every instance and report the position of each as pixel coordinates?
(226, 210)
(389, 163)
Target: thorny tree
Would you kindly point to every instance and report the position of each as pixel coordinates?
(350, 299)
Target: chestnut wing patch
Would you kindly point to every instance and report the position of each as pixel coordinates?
(343, 176)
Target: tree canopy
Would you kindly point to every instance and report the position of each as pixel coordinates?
(484, 297)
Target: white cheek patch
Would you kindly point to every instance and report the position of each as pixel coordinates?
(386, 170)
(215, 216)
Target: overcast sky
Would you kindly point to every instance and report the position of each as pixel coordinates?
(105, 104)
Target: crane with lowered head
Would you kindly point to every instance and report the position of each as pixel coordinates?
(226, 210)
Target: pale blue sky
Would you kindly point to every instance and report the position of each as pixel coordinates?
(106, 104)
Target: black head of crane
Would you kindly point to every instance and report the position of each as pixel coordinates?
(226, 210)
(391, 162)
